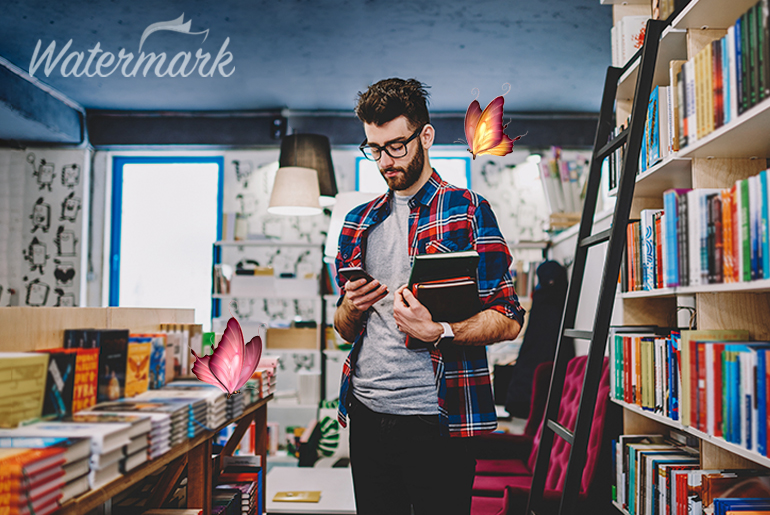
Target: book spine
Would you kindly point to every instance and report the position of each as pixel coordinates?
(733, 80)
(681, 108)
(692, 121)
(745, 230)
(718, 239)
(672, 269)
(659, 250)
(762, 198)
(753, 56)
(744, 63)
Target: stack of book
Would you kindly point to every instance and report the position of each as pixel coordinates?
(197, 407)
(215, 398)
(107, 442)
(657, 474)
(701, 236)
(226, 502)
(627, 38)
(31, 480)
(22, 386)
(247, 491)
(159, 437)
(563, 181)
(247, 471)
(136, 451)
(76, 454)
(178, 414)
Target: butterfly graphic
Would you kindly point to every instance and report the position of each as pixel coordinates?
(484, 130)
(233, 361)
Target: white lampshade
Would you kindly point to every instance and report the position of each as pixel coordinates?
(295, 192)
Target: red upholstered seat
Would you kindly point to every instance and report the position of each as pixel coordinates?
(502, 468)
(490, 505)
(506, 454)
(517, 487)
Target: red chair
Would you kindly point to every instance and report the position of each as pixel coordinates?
(512, 491)
(501, 454)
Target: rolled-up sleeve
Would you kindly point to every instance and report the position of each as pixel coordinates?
(496, 289)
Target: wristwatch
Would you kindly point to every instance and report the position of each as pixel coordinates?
(447, 335)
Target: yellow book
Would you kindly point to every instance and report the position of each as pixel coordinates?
(674, 68)
(22, 386)
(705, 335)
(137, 368)
(298, 496)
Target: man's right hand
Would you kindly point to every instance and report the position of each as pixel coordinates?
(361, 295)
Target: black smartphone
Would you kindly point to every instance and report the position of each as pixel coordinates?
(354, 273)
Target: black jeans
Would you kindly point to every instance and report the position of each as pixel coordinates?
(401, 461)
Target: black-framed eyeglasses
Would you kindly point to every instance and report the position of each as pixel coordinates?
(395, 149)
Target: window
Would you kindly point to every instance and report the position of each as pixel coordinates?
(166, 215)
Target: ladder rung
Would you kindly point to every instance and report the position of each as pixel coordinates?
(562, 431)
(595, 239)
(613, 145)
(580, 335)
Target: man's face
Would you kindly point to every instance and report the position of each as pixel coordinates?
(403, 172)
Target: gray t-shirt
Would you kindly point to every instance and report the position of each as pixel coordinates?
(388, 377)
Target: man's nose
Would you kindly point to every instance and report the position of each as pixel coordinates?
(386, 161)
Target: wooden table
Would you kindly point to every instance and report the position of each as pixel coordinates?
(335, 484)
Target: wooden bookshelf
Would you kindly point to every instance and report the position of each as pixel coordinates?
(24, 329)
(199, 481)
(715, 441)
(672, 46)
(736, 150)
(672, 172)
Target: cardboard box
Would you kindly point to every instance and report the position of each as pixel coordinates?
(305, 338)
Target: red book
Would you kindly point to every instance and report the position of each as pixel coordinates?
(630, 256)
(86, 377)
(628, 394)
(693, 364)
(717, 349)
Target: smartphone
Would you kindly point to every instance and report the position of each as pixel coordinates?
(354, 273)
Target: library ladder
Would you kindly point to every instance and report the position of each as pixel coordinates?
(616, 236)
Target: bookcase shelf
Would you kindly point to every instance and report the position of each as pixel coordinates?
(733, 152)
(718, 442)
(712, 14)
(620, 508)
(742, 137)
(673, 45)
(672, 172)
(95, 498)
(758, 286)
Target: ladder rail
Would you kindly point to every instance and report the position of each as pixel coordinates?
(603, 130)
(617, 234)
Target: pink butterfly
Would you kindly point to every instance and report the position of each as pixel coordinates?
(484, 131)
(232, 362)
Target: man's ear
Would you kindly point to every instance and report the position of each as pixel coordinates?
(427, 136)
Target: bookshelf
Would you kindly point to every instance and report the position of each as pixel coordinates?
(737, 150)
(24, 329)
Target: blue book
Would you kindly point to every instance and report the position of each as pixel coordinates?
(671, 208)
(157, 363)
(763, 220)
(726, 504)
(653, 119)
(761, 402)
(739, 64)
(726, 86)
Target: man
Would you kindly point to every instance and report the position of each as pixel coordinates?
(412, 411)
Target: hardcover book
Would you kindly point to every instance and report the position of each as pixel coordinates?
(113, 353)
(60, 382)
(138, 366)
(86, 376)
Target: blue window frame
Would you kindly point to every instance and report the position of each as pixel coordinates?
(118, 163)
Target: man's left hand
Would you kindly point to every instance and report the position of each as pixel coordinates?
(413, 318)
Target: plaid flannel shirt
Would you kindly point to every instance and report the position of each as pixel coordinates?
(443, 218)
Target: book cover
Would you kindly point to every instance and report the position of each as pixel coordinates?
(764, 250)
(138, 366)
(752, 22)
(648, 251)
(448, 300)
(158, 361)
(113, 350)
(60, 382)
(727, 236)
(86, 376)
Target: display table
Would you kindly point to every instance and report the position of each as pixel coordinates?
(335, 484)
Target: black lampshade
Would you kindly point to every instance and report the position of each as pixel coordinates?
(311, 151)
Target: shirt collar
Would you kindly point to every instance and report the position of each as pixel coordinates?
(424, 196)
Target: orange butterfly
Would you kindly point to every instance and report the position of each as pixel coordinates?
(484, 131)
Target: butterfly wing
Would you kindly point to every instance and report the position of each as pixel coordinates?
(203, 372)
(251, 355)
(472, 116)
(489, 130)
(227, 360)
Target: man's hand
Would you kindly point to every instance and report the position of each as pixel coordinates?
(359, 297)
(362, 295)
(413, 318)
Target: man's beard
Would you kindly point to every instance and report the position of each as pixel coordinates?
(409, 176)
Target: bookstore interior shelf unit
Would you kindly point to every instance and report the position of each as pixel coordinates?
(28, 329)
(735, 151)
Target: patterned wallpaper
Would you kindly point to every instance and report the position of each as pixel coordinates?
(43, 226)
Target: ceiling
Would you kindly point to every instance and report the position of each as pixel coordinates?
(316, 55)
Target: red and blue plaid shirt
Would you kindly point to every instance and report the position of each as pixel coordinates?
(443, 218)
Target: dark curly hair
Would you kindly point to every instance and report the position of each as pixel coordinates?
(390, 98)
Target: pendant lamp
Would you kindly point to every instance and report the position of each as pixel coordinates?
(311, 151)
